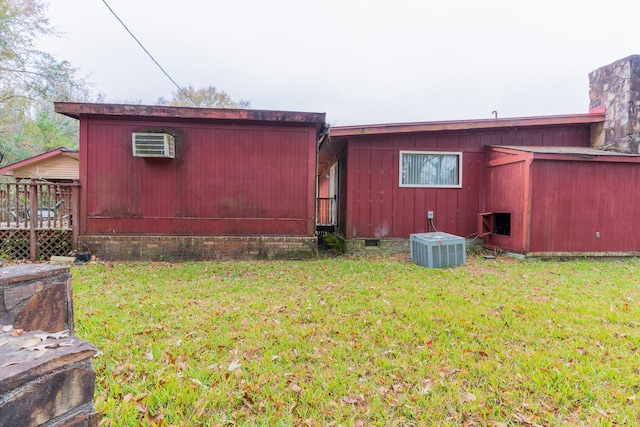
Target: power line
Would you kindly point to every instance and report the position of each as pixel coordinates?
(147, 52)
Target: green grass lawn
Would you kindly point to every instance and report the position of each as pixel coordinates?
(363, 341)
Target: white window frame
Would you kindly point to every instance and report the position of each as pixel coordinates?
(437, 153)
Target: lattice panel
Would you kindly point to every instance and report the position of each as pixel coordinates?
(53, 243)
(14, 244)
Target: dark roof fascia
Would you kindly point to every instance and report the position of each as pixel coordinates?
(458, 125)
(75, 110)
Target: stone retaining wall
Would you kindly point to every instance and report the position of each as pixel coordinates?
(46, 376)
(36, 297)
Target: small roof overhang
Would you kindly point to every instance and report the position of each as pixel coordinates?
(456, 125)
(583, 154)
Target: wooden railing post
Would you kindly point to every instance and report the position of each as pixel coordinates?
(75, 213)
(33, 215)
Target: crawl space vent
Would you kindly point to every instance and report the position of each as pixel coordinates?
(436, 250)
(154, 145)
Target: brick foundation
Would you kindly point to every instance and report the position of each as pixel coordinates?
(384, 246)
(392, 246)
(184, 248)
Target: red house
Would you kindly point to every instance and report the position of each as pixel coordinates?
(185, 183)
(191, 183)
(554, 185)
(391, 178)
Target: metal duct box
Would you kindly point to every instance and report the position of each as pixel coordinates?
(436, 250)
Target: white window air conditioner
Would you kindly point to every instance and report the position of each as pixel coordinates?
(154, 145)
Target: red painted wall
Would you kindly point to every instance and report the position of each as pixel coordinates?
(507, 191)
(572, 200)
(376, 206)
(226, 179)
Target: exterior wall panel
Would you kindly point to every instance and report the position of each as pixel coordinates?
(343, 192)
(377, 207)
(225, 179)
(507, 192)
(572, 201)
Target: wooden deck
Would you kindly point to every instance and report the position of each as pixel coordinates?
(47, 232)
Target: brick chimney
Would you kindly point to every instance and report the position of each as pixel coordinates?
(616, 87)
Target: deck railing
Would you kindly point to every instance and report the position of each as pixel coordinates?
(325, 214)
(41, 212)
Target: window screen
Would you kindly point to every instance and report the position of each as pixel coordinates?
(430, 169)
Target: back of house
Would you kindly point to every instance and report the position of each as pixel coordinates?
(191, 183)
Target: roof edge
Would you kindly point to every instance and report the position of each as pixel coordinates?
(381, 129)
(37, 158)
(75, 109)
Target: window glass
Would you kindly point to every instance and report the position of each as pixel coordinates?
(427, 169)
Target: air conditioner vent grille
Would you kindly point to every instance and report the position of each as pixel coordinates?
(153, 145)
(437, 249)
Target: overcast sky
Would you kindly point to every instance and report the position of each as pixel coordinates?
(359, 61)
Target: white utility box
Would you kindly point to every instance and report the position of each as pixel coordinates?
(436, 250)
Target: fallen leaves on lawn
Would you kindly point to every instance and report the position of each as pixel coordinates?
(354, 400)
(468, 397)
(427, 386)
(197, 381)
(525, 420)
(234, 365)
(156, 420)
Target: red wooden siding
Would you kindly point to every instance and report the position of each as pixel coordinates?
(563, 201)
(376, 206)
(507, 191)
(571, 201)
(225, 180)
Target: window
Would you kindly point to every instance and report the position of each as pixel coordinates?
(430, 169)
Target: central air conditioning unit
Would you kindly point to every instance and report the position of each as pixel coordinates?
(436, 250)
(154, 145)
